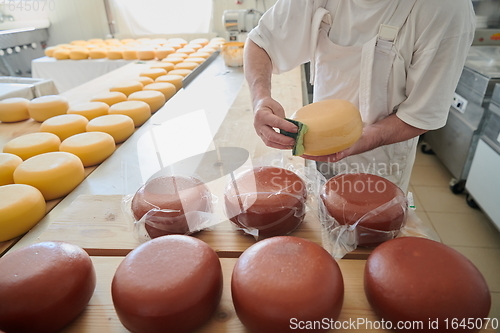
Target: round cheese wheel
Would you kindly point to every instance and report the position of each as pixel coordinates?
(154, 98)
(375, 203)
(61, 53)
(173, 60)
(45, 107)
(114, 54)
(79, 53)
(177, 55)
(176, 80)
(119, 126)
(417, 279)
(98, 53)
(8, 163)
(187, 50)
(167, 89)
(150, 296)
(79, 42)
(144, 80)
(112, 41)
(21, 207)
(194, 46)
(89, 110)
(186, 65)
(127, 87)
(46, 285)
(333, 125)
(49, 51)
(181, 72)
(163, 52)
(286, 277)
(127, 40)
(146, 54)
(177, 195)
(65, 125)
(178, 40)
(167, 66)
(153, 73)
(266, 201)
(199, 55)
(207, 49)
(201, 41)
(55, 174)
(195, 60)
(91, 147)
(129, 54)
(29, 145)
(110, 98)
(14, 109)
(137, 110)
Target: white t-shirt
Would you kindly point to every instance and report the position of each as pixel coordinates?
(432, 46)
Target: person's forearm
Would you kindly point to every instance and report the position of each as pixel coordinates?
(258, 71)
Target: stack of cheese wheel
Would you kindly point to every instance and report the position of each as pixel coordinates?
(8, 163)
(266, 201)
(163, 203)
(417, 280)
(150, 296)
(284, 277)
(139, 111)
(14, 109)
(46, 286)
(91, 147)
(29, 145)
(45, 107)
(65, 125)
(376, 205)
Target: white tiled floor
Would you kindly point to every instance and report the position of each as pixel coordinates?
(465, 229)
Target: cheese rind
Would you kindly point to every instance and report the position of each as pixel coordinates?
(29, 145)
(14, 109)
(45, 107)
(79, 54)
(154, 98)
(89, 110)
(137, 110)
(153, 73)
(65, 125)
(163, 52)
(127, 87)
(145, 80)
(176, 80)
(187, 65)
(129, 54)
(110, 98)
(98, 53)
(92, 147)
(146, 54)
(182, 72)
(167, 89)
(168, 66)
(8, 164)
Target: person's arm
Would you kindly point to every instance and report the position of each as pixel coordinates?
(387, 131)
(269, 114)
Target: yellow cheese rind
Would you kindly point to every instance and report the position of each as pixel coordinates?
(187, 65)
(110, 98)
(8, 164)
(119, 126)
(176, 80)
(65, 125)
(79, 54)
(21, 207)
(98, 53)
(61, 53)
(146, 54)
(163, 52)
(14, 109)
(91, 147)
(55, 174)
(153, 73)
(49, 51)
(199, 55)
(167, 66)
(333, 125)
(144, 80)
(154, 98)
(137, 110)
(45, 107)
(114, 54)
(29, 145)
(173, 60)
(129, 54)
(89, 110)
(182, 72)
(127, 87)
(167, 89)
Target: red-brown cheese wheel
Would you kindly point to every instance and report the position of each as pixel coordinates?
(286, 277)
(268, 199)
(417, 279)
(169, 284)
(44, 286)
(180, 194)
(348, 197)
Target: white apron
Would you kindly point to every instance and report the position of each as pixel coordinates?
(361, 75)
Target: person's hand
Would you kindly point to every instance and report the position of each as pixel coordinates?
(269, 114)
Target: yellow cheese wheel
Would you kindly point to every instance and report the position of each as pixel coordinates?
(146, 54)
(127, 40)
(174, 45)
(55, 174)
(145, 80)
(91, 147)
(182, 72)
(14, 109)
(187, 65)
(186, 50)
(98, 53)
(195, 60)
(45, 107)
(201, 41)
(199, 55)
(61, 53)
(154, 73)
(137, 110)
(207, 49)
(167, 89)
(110, 98)
(173, 60)
(21, 207)
(89, 110)
(49, 51)
(177, 40)
(115, 54)
(127, 87)
(194, 46)
(333, 125)
(29, 145)
(78, 54)
(176, 80)
(112, 41)
(8, 163)
(154, 98)
(129, 54)
(119, 126)
(163, 52)
(65, 125)
(177, 55)
(167, 66)
(96, 41)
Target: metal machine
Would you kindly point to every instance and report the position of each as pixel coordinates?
(239, 22)
(487, 22)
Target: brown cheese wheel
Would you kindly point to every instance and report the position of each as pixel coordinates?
(380, 204)
(44, 286)
(269, 201)
(285, 277)
(179, 195)
(420, 280)
(169, 284)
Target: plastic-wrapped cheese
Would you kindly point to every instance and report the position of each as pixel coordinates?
(155, 99)
(46, 286)
(129, 54)
(333, 125)
(119, 126)
(89, 110)
(146, 54)
(176, 80)
(186, 65)
(284, 277)
(55, 174)
(412, 279)
(45, 107)
(14, 109)
(266, 201)
(137, 110)
(8, 163)
(150, 296)
(182, 72)
(91, 147)
(153, 73)
(144, 80)
(79, 53)
(163, 52)
(29, 145)
(61, 54)
(127, 87)
(65, 125)
(21, 207)
(167, 66)
(167, 89)
(110, 98)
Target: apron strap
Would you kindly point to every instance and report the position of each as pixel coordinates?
(389, 31)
